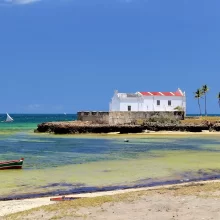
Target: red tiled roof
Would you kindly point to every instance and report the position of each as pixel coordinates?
(177, 93)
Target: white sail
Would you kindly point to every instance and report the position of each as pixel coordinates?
(9, 118)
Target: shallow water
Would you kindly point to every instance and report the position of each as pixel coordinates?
(65, 164)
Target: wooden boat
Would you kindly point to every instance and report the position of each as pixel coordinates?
(11, 164)
(63, 198)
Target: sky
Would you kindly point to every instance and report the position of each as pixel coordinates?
(70, 55)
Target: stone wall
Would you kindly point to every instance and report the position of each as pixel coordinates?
(94, 116)
(121, 118)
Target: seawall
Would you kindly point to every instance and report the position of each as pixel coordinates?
(127, 117)
(77, 127)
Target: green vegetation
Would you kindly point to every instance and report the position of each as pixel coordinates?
(164, 119)
(70, 208)
(201, 120)
(205, 89)
(218, 99)
(158, 118)
(179, 108)
(198, 95)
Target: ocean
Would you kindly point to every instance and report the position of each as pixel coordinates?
(64, 164)
(30, 121)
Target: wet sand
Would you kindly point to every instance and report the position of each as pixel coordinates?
(147, 134)
(183, 201)
(143, 134)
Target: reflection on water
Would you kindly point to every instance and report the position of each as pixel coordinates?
(69, 164)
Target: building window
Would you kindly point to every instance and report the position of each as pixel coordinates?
(169, 102)
(129, 108)
(158, 102)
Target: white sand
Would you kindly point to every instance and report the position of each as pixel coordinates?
(13, 206)
(154, 207)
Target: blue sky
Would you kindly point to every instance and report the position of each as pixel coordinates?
(70, 55)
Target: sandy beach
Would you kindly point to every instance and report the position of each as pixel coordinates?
(147, 134)
(198, 200)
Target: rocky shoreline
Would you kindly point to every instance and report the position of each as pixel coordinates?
(78, 127)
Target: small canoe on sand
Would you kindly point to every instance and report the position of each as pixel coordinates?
(11, 164)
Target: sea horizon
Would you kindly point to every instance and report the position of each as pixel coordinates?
(66, 113)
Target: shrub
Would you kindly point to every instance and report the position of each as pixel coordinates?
(164, 119)
(178, 108)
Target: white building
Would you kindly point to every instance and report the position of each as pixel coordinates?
(148, 101)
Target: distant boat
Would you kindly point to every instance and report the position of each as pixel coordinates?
(9, 118)
(11, 164)
(64, 113)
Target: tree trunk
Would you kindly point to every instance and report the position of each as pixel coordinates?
(199, 107)
(205, 105)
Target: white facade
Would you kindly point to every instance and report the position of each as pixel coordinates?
(148, 101)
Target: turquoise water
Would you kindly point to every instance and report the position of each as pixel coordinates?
(57, 164)
(29, 121)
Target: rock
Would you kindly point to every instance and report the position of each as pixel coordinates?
(77, 127)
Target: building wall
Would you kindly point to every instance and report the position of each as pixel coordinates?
(120, 118)
(122, 103)
(150, 103)
(136, 104)
(94, 116)
(114, 104)
(147, 103)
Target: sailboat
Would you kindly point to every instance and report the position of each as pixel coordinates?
(9, 118)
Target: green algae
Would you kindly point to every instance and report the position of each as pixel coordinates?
(163, 166)
(152, 158)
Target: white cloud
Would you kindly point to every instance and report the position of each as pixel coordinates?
(20, 2)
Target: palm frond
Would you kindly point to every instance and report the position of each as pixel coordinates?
(198, 93)
(205, 89)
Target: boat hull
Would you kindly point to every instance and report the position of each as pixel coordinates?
(13, 164)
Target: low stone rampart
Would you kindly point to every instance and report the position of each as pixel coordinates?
(99, 117)
(137, 118)
(124, 118)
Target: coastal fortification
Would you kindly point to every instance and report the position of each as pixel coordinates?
(126, 117)
(97, 123)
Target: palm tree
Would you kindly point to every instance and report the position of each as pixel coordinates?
(198, 95)
(218, 99)
(205, 89)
